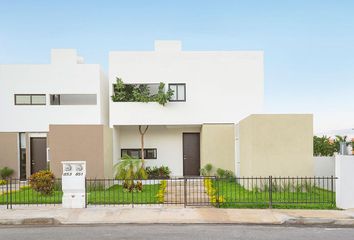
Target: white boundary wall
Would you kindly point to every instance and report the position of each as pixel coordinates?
(324, 166)
(345, 183)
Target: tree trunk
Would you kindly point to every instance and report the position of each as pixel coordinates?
(142, 133)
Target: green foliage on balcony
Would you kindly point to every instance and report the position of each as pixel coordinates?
(139, 93)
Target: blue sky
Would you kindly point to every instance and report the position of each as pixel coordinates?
(308, 45)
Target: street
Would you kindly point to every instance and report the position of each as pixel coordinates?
(167, 231)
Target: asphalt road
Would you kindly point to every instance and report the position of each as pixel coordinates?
(170, 232)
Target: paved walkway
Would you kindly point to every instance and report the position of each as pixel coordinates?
(102, 215)
(195, 192)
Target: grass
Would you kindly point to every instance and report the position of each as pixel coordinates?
(237, 196)
(29, 196)
(116, 195)
(96, 195)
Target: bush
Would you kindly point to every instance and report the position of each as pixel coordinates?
(6, 172)
(162, 172)
(43, 182)
(220, 172)
(3, 182)
(206, 170)
(161, 193)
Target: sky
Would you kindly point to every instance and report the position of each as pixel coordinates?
(308, 44)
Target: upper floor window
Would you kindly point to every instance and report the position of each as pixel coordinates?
(179, 92)
(30, 99)
(73, 99)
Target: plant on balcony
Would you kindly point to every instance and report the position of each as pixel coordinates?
(139, 93)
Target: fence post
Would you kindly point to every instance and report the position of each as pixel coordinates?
(85, 192)
(218, 194)
(185, 191)
(7, 194)
(270, 191)
(133, 195)
(332, 189)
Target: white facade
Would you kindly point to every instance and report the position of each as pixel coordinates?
(166, 139)
(221, 86)
(65, 75)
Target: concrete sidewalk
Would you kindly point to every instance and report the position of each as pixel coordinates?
(169, 215)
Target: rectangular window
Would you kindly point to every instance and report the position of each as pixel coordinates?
(73, 99)
(30, 99)
(179, 92)
(149, 153)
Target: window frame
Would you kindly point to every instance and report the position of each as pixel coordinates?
(31, 103)
(139, 152)
(176, 93)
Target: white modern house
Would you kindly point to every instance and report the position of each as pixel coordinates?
(69, 111)
(212, 89)
(33, 96)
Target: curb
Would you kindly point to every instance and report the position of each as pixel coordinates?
(30, 221)
(289, 222)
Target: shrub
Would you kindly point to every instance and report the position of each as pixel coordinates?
(220, 172)
(206, 170)
(162, 172)
(6, 172)
(42, 182)
(3, 182)
(215, 198)
(161, 193)
(229, 174)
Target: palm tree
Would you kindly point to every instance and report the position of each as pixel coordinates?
(130, 169)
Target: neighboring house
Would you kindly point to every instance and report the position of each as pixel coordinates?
(208, 119)
(33, 96)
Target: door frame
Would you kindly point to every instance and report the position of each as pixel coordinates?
(186, 133)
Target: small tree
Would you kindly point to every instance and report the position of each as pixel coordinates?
(129, 169)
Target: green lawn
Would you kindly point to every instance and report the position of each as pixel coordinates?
(237, 196)
(29, 196)
(112, 195)
(116, 195)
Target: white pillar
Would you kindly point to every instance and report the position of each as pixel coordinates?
(345, 182)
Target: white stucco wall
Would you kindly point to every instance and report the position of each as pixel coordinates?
(167, 139)
(60, 77)
(324, 166)
(345, 182)
(221, 86)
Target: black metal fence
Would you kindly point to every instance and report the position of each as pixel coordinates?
(18, 192)
(239, 192)
(249, 192)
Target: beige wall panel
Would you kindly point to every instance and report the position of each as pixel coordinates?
(77, 143)
(108, 152)
(277, 144)
(9, 152)
(217, 143)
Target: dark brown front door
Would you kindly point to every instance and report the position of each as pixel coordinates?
(191, 154)
(38, 154)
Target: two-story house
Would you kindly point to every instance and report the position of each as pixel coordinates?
(33, 96)
(68, 110)
(213, 90)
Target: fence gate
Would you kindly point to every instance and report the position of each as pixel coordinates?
(187, 191)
